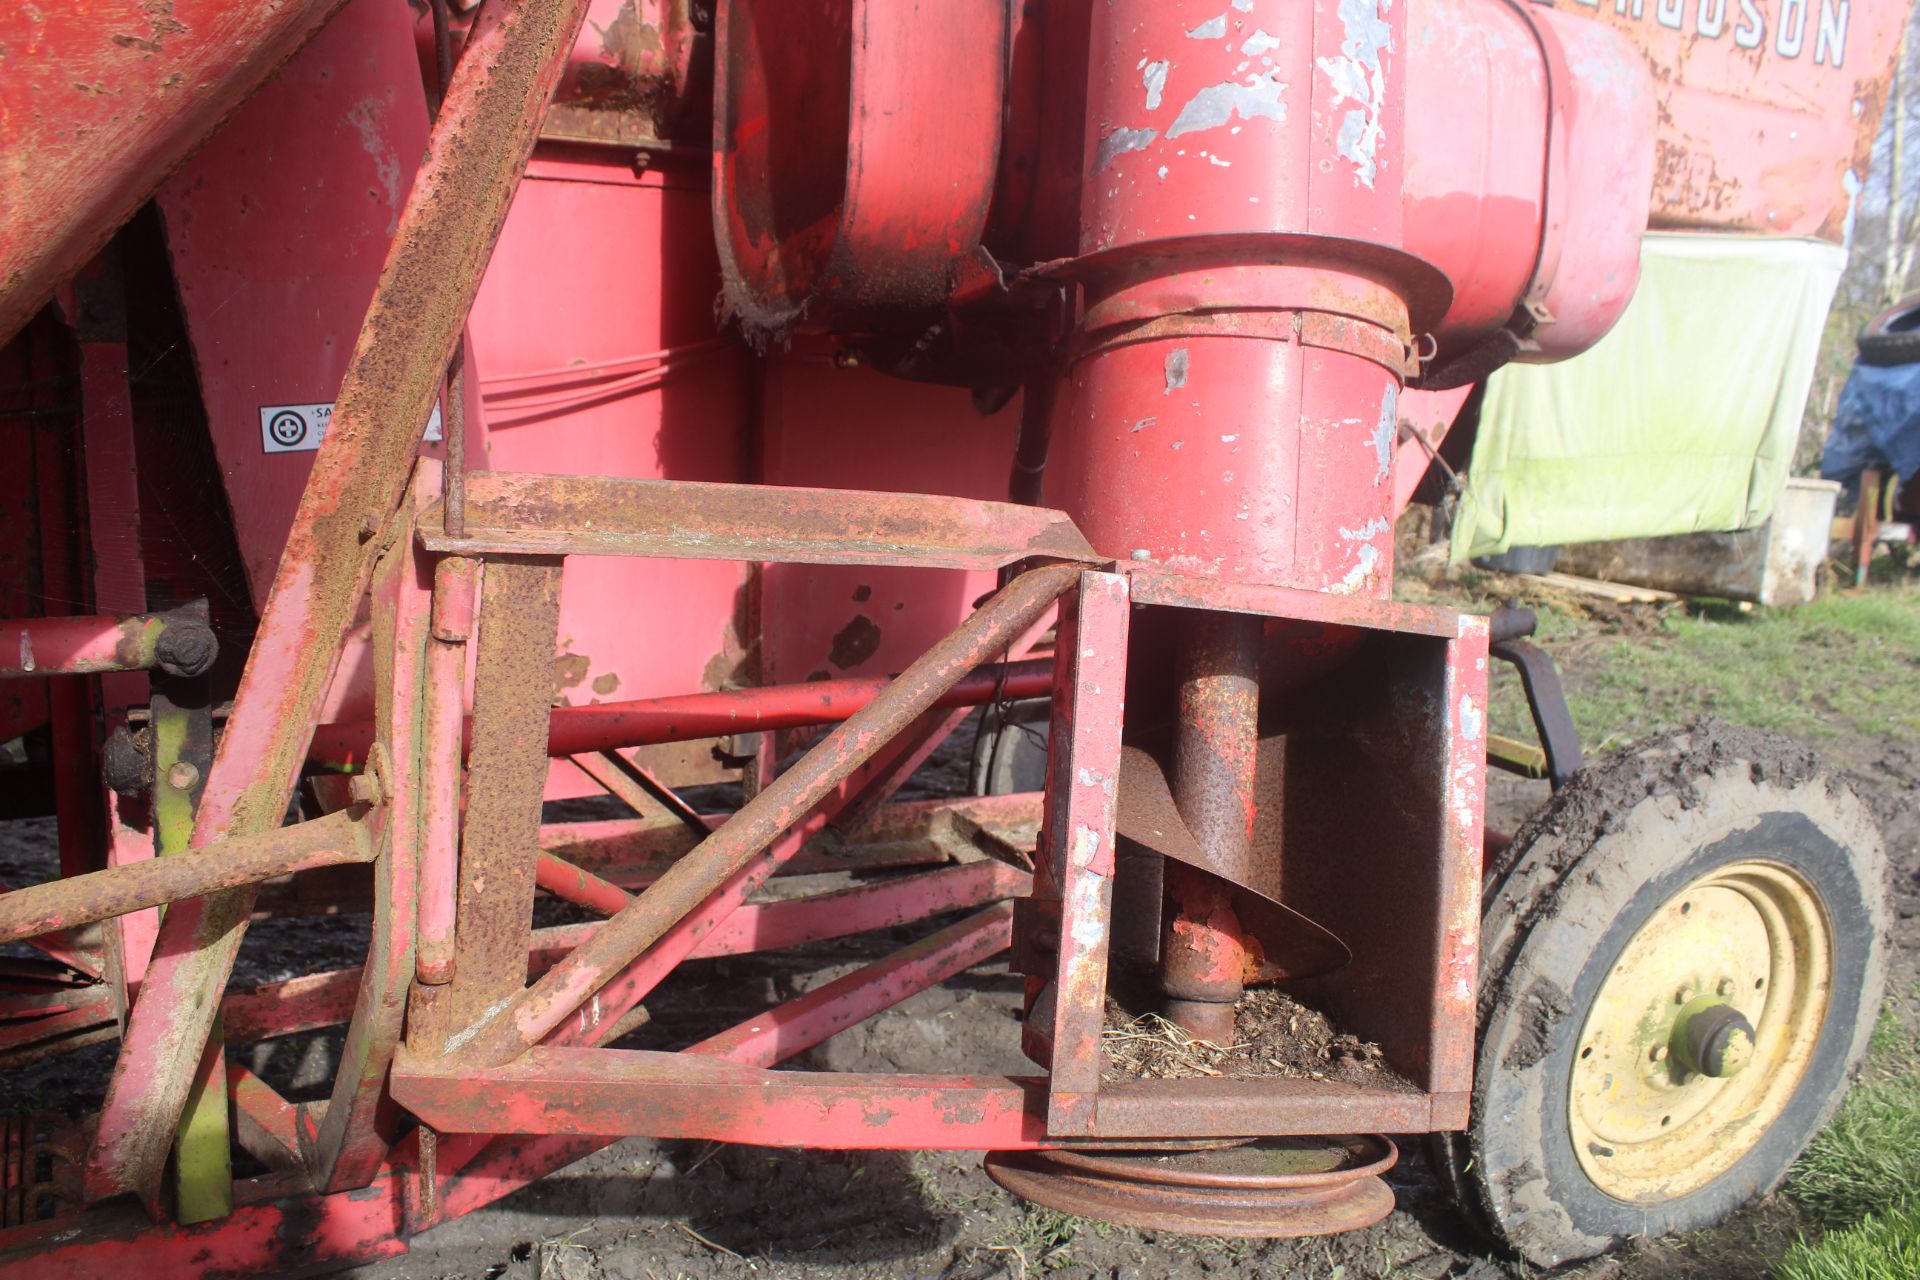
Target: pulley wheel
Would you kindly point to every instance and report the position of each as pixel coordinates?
(1273, 1187)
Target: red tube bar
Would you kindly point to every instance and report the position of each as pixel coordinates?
(609, 725)
(35, 647)
(802, 1023)
(98, 895)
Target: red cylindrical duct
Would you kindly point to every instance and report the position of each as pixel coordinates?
(1230, 408)
(1530, 159)
(1247, 320)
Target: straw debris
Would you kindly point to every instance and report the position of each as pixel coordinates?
(1276, 1036)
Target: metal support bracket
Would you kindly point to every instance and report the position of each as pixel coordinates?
(1545, 698)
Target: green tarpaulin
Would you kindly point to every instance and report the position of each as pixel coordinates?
(1683, 419)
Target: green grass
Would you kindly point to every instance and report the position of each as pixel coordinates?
(1867, 1160)
(1843, 665)
(1038, 1241)
(1878, 1248)
(1860, 1178)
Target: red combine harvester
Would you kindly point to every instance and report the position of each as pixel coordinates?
(747, 393)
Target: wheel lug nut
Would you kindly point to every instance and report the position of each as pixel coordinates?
(1658, 1053)
(1725, 988)
(1680, 995)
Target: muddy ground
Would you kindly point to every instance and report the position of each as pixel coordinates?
(641, 1209)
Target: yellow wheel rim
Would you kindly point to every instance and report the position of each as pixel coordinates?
(1751, 935)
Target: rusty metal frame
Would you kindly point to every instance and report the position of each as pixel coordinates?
(507, 1083)
(609, 726)
(514, 514)
(100, 895)
(478, 148)
(579, 1092)
(488, 1054)
(1078, 849)
(738, 856)
(344, 1147)
(35, 647)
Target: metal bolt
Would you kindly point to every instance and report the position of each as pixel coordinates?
(183, 776)
(1658, 1053)
(127, 761)
(1725, 988)
(1680, 995)
(187, 647)
(364, 788)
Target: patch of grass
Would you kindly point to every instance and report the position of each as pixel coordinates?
(925, 1177)
(1842, 665)
(1867, 1160)
(1039, 1240)
(1880, 1247)
(1220, 1250)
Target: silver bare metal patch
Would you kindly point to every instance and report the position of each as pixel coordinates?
(1176, 370)
(1155, 78)
(1118, 143)
(1217, 104)
(1357, 75)
(1383, 433)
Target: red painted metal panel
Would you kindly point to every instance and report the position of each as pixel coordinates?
(277, 229)
(625, 377)
(100, 102)
(1529, 162)
(853, 170)
(1767, 108)
(852, 429)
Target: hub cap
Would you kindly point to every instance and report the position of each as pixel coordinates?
(1745, 946)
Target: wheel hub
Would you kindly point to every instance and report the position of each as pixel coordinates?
(1712, 1038)
(1275, 1187)
(1700, 1033)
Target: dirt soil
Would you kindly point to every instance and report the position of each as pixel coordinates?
(643, 1210)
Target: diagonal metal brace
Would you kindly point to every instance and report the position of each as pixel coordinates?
(475, 156)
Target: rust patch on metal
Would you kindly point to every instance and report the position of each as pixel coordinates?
(854, 643)
(1278, 1187)
(1688, 189)
(569, 671)
(519, 617)
(524, 514)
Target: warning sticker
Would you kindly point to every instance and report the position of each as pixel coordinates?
(299, 428)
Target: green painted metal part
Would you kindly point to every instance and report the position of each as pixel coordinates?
(182, 753)
(1515, 756)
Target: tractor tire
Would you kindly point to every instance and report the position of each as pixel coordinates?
(1699, 881)
(1893, 336)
